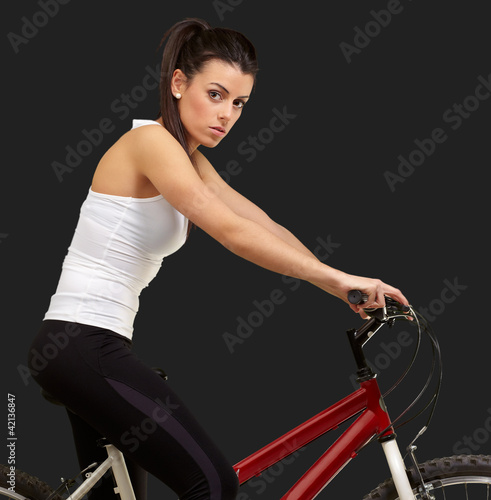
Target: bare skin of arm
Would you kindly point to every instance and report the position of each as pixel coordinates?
(245, 208)
(235, 222)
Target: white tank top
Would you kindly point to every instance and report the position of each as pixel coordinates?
(117, 249)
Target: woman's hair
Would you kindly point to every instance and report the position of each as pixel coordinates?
(190, 44)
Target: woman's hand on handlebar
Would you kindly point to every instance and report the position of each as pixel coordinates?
(375, 289)
(340, 283)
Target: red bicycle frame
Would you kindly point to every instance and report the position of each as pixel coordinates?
(373, 420)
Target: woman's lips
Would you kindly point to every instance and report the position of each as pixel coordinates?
(220, 131)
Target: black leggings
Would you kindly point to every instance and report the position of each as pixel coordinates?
(110, 392)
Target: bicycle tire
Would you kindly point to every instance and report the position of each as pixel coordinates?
(459, 476)
(26, 487)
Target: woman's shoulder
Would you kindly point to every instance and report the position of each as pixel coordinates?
(146, 129)
(120, 169)
(150, 139)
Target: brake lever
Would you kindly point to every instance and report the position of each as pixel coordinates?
(358, 297)
(386, 314)
(389, 312)
(389, 301)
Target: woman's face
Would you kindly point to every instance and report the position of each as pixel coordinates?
(211, 102)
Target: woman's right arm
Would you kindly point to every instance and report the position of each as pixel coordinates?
(161, 159)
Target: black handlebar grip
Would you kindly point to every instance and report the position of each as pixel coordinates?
(357, 297)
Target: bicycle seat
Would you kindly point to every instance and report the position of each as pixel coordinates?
(49, 397)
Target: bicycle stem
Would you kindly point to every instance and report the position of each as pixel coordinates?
(357, 339)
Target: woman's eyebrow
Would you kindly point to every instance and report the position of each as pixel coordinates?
(221, 86)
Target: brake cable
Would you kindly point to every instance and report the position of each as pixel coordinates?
(408, 368)
(436, 353)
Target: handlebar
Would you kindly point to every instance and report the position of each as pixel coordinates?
(377, 318)
(358, 297)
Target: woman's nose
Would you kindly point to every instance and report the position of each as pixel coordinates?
(226, 112)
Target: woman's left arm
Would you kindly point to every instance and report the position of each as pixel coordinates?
(248, 210)
(242, 206)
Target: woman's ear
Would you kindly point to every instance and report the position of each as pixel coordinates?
(178, 82)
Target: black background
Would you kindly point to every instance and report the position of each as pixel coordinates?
(322, 177)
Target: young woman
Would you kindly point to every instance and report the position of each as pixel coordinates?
(149, 187)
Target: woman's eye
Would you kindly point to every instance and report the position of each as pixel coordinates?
(215, 95)
(239, 104)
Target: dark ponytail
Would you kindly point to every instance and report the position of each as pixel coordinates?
(189, 44)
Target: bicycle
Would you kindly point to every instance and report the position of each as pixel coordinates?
(447, 478)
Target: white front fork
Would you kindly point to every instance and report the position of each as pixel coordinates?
(398, 470)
